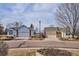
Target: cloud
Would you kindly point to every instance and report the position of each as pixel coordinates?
(45, 7)
(28, 13)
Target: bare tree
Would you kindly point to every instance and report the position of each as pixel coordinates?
(15, 26)
(68, 16)
(1, 29)
(31, 29)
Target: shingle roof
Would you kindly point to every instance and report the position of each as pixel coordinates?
(19, 27)
(24, 26)
(53, 29)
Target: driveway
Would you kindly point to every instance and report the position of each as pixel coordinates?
(52, 38)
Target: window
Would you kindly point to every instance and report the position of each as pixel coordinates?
(10, 32)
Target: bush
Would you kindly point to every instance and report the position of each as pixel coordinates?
(69, 38)
(64, 38)
(37, 38)
(76, 38)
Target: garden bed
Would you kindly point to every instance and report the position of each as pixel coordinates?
(69, 39)
(54, 52)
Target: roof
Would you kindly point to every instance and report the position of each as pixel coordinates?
(19, 27)
(24, 26)
(50, 28)
(53, 29)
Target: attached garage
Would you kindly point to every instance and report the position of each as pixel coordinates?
(50, 31)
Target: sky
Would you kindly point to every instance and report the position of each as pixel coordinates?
(28, 13)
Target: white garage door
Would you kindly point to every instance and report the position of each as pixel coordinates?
(23, 34)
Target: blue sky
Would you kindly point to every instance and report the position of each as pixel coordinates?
(28, 13)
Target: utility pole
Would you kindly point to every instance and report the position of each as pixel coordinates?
(40, 26)
(40, 29)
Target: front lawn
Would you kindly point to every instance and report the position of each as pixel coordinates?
(21, 52)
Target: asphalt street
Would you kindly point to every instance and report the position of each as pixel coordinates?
(42, 44)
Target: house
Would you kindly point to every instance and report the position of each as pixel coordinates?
(54, 32)
(23, 31)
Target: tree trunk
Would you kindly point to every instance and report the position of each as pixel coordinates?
(30, 33)
(73, 33)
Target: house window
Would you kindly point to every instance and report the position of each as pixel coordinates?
(68, 33)
(11, 32)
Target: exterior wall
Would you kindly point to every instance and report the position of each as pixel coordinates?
(51, 33)
(32, 32)
(11, 32)
(64, 35)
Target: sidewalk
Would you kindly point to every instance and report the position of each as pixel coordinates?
(38, 54)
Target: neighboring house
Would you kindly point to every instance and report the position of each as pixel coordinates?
(10, 31)
(23, 31)
(54, 31)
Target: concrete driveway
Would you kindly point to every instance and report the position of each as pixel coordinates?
(52, 38)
